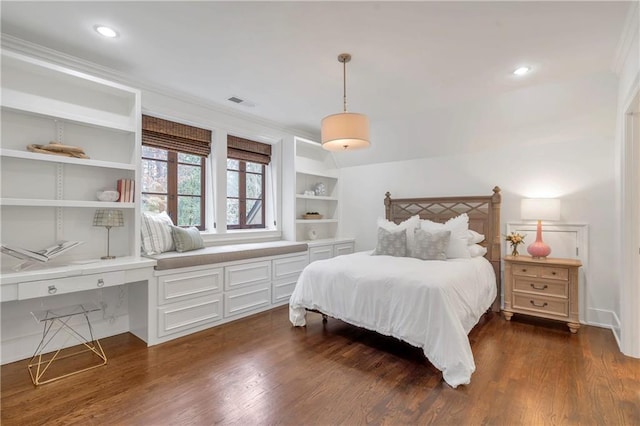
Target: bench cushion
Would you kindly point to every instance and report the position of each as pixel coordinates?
(228, 253)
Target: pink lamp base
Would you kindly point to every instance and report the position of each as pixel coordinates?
(539, 249)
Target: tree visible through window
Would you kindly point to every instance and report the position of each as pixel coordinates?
(174, 182)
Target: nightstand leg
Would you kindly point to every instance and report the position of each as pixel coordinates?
(507, 315)
(573, 327)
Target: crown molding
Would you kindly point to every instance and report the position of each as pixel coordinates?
(630, 30)
(41, 52)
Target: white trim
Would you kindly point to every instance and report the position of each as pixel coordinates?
(601, 318)
(629, 31)
(616, 327)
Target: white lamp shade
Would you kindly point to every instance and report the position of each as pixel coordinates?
(540, 208)
(345, 131)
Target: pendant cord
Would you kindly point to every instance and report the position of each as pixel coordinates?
(344, 85)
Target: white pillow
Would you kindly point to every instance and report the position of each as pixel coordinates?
(459, 227)
(474, 237)
(476, 250)
(410, 225)
(156, 233)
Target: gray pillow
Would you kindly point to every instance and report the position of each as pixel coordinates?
(431, 245)
(391, 243)
(186, 239)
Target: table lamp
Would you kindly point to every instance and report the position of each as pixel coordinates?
(109, 219)
(540, 209)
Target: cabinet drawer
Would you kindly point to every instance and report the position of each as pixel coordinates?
(247, 299)
(282, 290)
(320, 253)
(541, 304)
(523, 270)
(174, 288)
(343, 248)
(188, 314)
(247, 274)
(32, 289)
(536, 286)
(553, 273)
(289, 266)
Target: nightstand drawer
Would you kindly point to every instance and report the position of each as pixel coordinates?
(526, 270)
(554, 273)
(536, 286)
(541, 304)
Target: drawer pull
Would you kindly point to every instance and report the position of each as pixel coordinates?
(52, 289)
(539, 306)
(100, 282)
(553, 273)
(544, 287)
(524, 270)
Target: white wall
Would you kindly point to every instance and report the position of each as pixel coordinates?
(565, 150)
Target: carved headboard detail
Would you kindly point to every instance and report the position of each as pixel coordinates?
(483, 212)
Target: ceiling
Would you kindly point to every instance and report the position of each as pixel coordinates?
(413, 62)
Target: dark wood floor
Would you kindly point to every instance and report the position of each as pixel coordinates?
(260, 370)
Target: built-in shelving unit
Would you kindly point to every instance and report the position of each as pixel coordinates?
(47, 198)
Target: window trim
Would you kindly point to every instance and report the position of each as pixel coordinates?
(242, 196)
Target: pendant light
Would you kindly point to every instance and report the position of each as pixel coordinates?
(345, 131)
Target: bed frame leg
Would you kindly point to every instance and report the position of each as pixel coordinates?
(324, 319)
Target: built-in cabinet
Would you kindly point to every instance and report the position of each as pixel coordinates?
(52, 196)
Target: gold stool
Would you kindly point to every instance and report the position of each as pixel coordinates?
(54, 321)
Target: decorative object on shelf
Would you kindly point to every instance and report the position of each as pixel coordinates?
(108, 195)
(312, 215)
(515, 239)
(346, 130)
(56, 148)
(309, 193)
(312, 234)
(319, 189)
(540, 209)
(109, 219)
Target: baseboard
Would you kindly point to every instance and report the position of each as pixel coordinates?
(615, 328)
(601, 318)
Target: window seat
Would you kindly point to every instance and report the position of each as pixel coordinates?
(226, 253)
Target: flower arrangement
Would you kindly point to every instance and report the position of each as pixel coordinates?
(515, 239)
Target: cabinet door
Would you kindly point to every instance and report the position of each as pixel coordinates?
(320, 253)
(247, 274)
(177, 287)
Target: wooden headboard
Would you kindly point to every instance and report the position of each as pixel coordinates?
(483, 212)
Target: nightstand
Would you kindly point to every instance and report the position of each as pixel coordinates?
(545, 288)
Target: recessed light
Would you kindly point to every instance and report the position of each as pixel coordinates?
(522, 71)
(106, 31)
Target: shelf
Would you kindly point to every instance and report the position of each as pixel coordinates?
(315, 197)
(316, 221)
(27, 155)
(28, 202)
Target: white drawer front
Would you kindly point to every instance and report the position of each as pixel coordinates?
(320, 252)
(247, 299)
(289, 266)
(247, 274)
(188, 314)
(282, 289)
(173, 288)
(343, 248)
(32, 289)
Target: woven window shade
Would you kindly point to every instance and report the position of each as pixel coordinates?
(248, 150)
(174, 136)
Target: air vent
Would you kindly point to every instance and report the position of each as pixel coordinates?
(240, 101)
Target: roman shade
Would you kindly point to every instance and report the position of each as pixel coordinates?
(174, 136)
(248, 150)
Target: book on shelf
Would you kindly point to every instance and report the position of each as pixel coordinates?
(126, 189)
(43, 255)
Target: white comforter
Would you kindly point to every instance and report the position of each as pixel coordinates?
(429, 304)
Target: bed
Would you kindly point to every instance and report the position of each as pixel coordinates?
(430, 304)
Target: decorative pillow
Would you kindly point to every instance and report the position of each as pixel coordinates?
(476, 250)
(432, 245)
(156, 233)
(474, 237)
(391, 243)
(187, 239)
(459, 227)
(409, 226)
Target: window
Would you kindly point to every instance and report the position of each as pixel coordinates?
(173, 170)
(247, 162)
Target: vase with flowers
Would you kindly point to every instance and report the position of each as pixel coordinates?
(515, 239)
